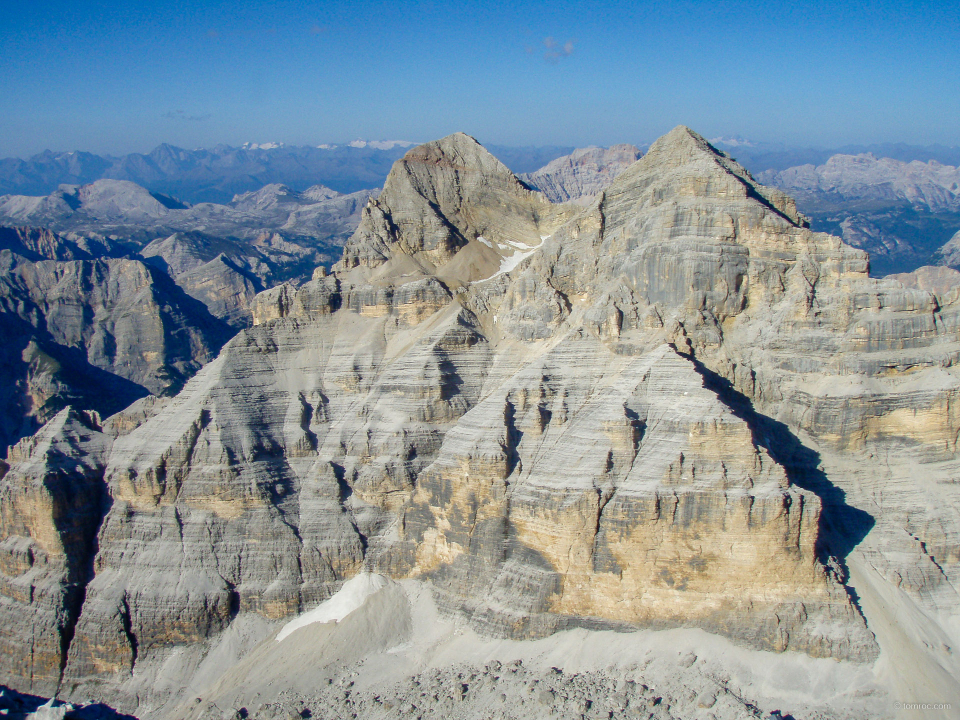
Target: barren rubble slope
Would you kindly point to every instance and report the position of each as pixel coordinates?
(673, 419)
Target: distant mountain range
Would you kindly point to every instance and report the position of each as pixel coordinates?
(759, 156)
(217, 174)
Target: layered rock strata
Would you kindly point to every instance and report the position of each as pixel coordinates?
(96, 333)
(635, 414)
(582, 174)
(51, 503)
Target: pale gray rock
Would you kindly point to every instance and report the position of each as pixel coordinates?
(901, 213)
(40, 244)
(271, 235)
(933, 279)
(582, 174)
(107, 206)
(51, 504)
(866, 177)
(949, 254)
(677, 407)
(94, 333)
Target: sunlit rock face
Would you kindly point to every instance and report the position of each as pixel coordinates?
(583, 174)
(676, 406)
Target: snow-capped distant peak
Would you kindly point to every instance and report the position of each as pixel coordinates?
(380, 144)
(261, 146)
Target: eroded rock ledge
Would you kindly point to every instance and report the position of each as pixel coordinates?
(632, 414)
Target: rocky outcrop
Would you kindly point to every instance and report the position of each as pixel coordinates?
(676, 406)
(443, 197)
(932, 279)
(582, 174)
(51, 504)
(94, 333)
(40, 244)
(866, 177)
(949, 254)
(902, 213)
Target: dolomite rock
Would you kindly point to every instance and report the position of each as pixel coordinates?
(40, 244)
(582, 174)
(95, 333)
(439, 199)
(677, 406)
(930, 184)
(51, 504)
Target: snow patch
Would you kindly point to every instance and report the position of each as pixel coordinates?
(507, 264)
(522, 246)
(486, 242)
(348, 598)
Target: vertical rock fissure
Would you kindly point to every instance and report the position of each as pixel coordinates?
(126, 623)
(74, 601)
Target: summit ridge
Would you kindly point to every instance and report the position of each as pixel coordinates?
(675, 406)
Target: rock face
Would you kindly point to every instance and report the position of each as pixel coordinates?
(95, 332)
(51, 505)
(583, 173)
(676, 406)
(937, 280)
(40, 244)
(866, 177)
(902, 213)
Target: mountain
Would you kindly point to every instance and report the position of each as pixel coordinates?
(217, 174)
(760, 157)
(201, 265)
(902, 213)
(657, 453)
(94, 333)
(202, 175)
(268, 236)
(867, 178)
(582, 174)
(126, 209)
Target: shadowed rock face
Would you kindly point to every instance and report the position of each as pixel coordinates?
(98, 333)
(663, 409)
(51, 505)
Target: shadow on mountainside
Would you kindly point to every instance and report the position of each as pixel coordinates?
(842, 526)
(15, 704)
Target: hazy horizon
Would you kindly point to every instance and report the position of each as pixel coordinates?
(127, 77)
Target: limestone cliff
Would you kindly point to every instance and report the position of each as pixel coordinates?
(97, 333)
(677, 406)
(582, 174)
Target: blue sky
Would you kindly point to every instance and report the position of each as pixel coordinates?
(125, 76)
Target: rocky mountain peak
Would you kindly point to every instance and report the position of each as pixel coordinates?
(683, 163)
(443, 197)
(675, 407)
